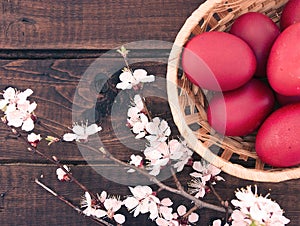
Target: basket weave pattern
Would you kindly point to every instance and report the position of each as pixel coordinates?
(234, 155)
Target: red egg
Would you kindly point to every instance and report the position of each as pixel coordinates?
(283, 68)
(240, 112)
(290, 14)
(285, 100)
(259, 32)
(218, 61)
(277, 141)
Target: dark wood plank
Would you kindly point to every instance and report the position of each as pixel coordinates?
(28, 204)
(55, 82)
(89, 24)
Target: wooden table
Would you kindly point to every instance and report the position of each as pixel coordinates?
(47, 46)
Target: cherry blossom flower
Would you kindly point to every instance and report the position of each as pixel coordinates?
(142, 201)
(137, 120)
(137, 104)
(207, 172)
(17, 109)
(111, 205)
(34, 139)
(102, 197)
(160, 154)
(138, 124)
(165, 209)
(197, 187)
(137, 161)
(62, 175)
(21, 114)
(256, 210)
(82, 132)
(158, 129)
(134, 80)
(13, 96)
(87, 203)
(185, 154)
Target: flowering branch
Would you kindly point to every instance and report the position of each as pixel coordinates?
(53, 159)
(63, 199)
(251, 209)
(181, 192)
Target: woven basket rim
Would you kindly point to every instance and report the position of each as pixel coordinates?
(178, 116)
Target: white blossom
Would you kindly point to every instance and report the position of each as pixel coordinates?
(181, 154)
(134, 80)
(111, 205)
(137, 120)
(142, 201)
(158, 130)
(135, 160)
(82, 132)
(34, 139)
(13, 96)
(256, 210)
(138, 124)
(205, 173)
(197, 187)
(159, 154)
(17, 109)
(86, 203)
(61, 174)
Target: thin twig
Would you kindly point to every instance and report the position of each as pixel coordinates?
(194, 208)
(63, 199)
(34, 150)
(177, 182)
(148, 113)
(215, 193)
(199, 203)
(223, 203)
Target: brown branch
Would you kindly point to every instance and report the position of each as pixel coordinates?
(63, 199)
(199, 203)
(215, 193)
(223, 203)
(34, 150)
(194, 208)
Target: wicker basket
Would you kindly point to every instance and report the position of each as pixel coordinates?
(234, 155)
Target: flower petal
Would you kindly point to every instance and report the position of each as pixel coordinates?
(69, 137)
(119, 218)
(193, 217)
(79, 130)
(166, 202)
(28, 125)
(100, 213)
(124, 85)
(181, 210)
(92, 129)
(131, 203)
(198, 166)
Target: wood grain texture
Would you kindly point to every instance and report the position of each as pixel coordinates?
(89, 24)
(55, 82)
(28, 204)
(53, 47)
